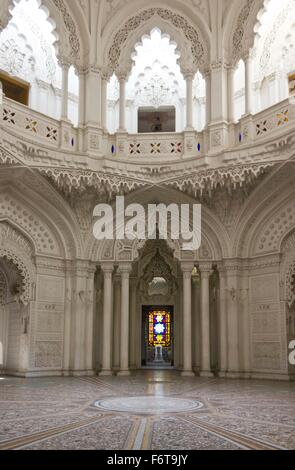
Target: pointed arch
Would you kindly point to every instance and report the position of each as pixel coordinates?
(241, 25)
(72, 35)
(119, 40)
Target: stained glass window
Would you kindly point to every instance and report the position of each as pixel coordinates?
(159, 328)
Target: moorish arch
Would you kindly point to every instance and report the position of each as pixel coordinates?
(215, 242)
(267, 204)
(54, 231)
(242, 22)
(192, 40)
(158, 273)
(72, 36)
(17, 280)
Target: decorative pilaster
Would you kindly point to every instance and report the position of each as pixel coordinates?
(218, 127)
(89, 320)
(93, 132)
(222, 322)
(205, 270)
(80, 312)
(67, 318)
(187, 319)
(232, 269)
(124, 270)
(107, 319)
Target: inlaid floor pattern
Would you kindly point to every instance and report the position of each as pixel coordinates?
(156, 410)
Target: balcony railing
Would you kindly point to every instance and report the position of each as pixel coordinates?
(35, 127)
(271, 120)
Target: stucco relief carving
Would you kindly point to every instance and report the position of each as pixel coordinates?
(70, 27)
(271, 38)
(267, 356)
(68, 181)
(157, 268)
(48, 354)
(198, 48)
(280, 224)
(18, 251)
(230, 178)
(239, 32)
(40, 233)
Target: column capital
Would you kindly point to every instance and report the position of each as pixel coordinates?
(219, 64)
(106, 75)
(80, 70)
(205, 268)
(248, 55)
(125, 269)
(122, 74)
(64, 62)
(231, 265)
(189, 74)
(107, 268)
(187, 268)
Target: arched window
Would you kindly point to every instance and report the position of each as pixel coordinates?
(156, 90)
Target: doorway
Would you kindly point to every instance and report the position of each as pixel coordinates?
(157, 337)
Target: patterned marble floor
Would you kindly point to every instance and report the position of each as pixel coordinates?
(156, 410)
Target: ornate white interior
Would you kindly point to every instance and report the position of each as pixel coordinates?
(224, 66)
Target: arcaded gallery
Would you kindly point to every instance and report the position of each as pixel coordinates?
(132, 343)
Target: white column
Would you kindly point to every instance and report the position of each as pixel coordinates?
(90, 321)
(205, 322)
(231, 93)
(189, 101)
(207, 76)
(67, 319)
(124, 344)
(232, 319)
(187, 319)
(196, 323)
(104, 88)
(81, 75)
(107, 320)
(248, 85)
(64, 91)
(222, 323)
(79, 311)
(134, 325)
(122, 112)
(116, 321)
